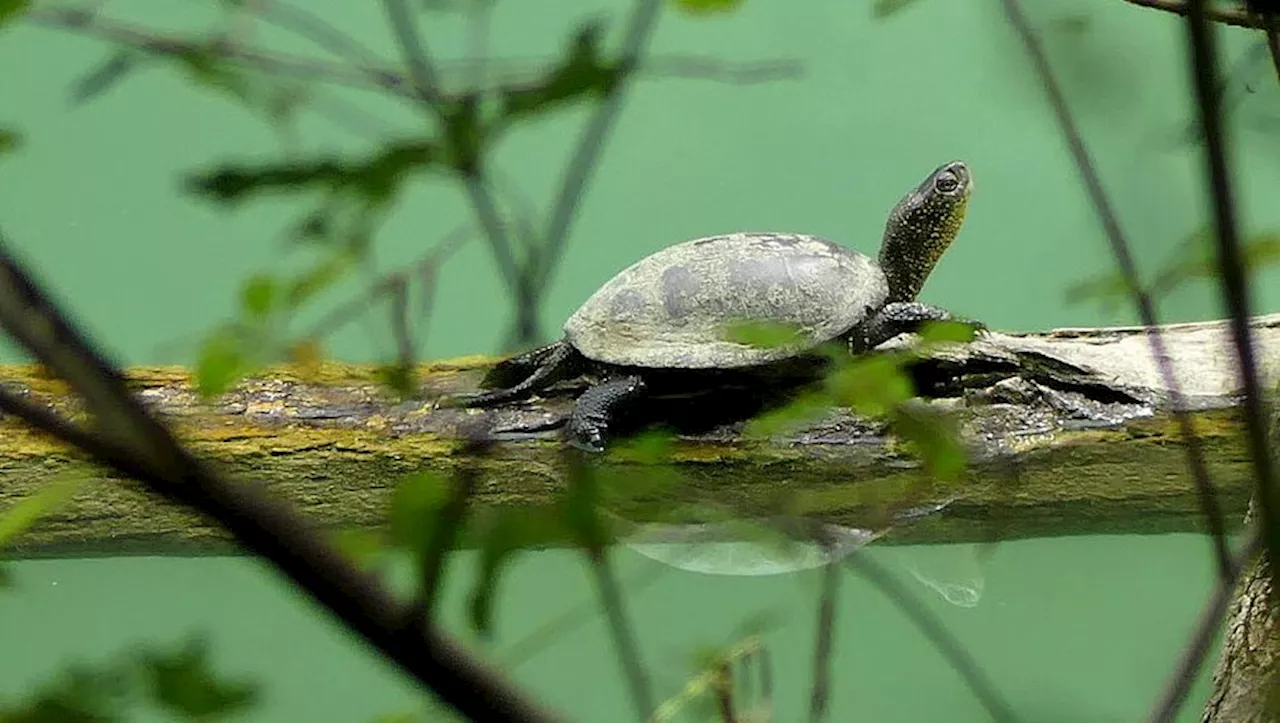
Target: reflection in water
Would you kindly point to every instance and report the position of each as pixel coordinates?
(745, 548)
(714, 549)
(954, 572)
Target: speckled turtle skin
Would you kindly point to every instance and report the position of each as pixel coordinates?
(670, 311)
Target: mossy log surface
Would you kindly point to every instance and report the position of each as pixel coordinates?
(1069, 432)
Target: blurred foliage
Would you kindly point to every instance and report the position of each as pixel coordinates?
(723, 674)
(21, 516)
(9, 141)
(180, 682)
(882, 9)
(1195, 259)
(875, 386)
(707, 7)
(11, 10)
(354, 194)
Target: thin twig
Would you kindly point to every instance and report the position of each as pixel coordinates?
(351, 310)
(643, 21)
(1235, 290)
(450, 521)
(308, 25)
(510, 74)
(1235, 280)
(611, 598)
(1201, 641)
(1237, 17)
(1110, 220)
(137, 444)
(425, 83)
(933, 629)
(820, 695)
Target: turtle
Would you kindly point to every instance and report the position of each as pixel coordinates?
(658, 326)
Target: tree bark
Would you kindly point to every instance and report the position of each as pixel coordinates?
(1068, 432)
(1244, 683)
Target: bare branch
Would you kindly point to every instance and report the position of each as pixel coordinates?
(508, 73)
(1128, 269)
(139, 445)
(1237, 17)
(1235, 279)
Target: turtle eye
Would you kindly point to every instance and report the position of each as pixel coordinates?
(946, 182)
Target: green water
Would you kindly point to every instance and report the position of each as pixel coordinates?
(1073, 629)
(1070, 629)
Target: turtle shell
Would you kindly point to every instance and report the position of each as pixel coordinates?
(672, 309)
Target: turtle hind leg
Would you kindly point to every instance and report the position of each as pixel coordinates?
(510, 372)
(560, 362)
(900, 317)
(588, 425)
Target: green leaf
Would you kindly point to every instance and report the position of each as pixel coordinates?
(804, 407)
(223, 361)
(105, 76)
(1104, 288)
(933, 437)
(935, 332)
(9, 141)
(6, 577)
(28, 511)
(183, 682)
(10, 10)
(503, 533)
(763, 334)
(648, 447)
(1196, 259)
(399, 378)
(78, 695)
(883, 9)
(707, 7)
(259, 295)
(1071, 25)
(317, 279)
(584, 73)
(363, 547)
(464, 134)
(415, 509)
(871, 385)
(375, 179)
(581, 505)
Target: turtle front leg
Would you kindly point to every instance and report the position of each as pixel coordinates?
(901, 317)
(589, 422)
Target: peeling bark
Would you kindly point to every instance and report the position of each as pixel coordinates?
(1081, 416)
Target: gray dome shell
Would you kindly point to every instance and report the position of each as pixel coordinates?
(670, 309)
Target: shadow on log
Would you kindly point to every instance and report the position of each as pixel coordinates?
(1069, 432)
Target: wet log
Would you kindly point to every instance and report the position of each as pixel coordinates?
(1068, 432)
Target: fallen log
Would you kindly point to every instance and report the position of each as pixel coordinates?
(1068, 432)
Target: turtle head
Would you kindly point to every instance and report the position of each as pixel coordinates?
(922, 226)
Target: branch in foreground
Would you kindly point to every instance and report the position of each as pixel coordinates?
(137, 444)
(1237, 17)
